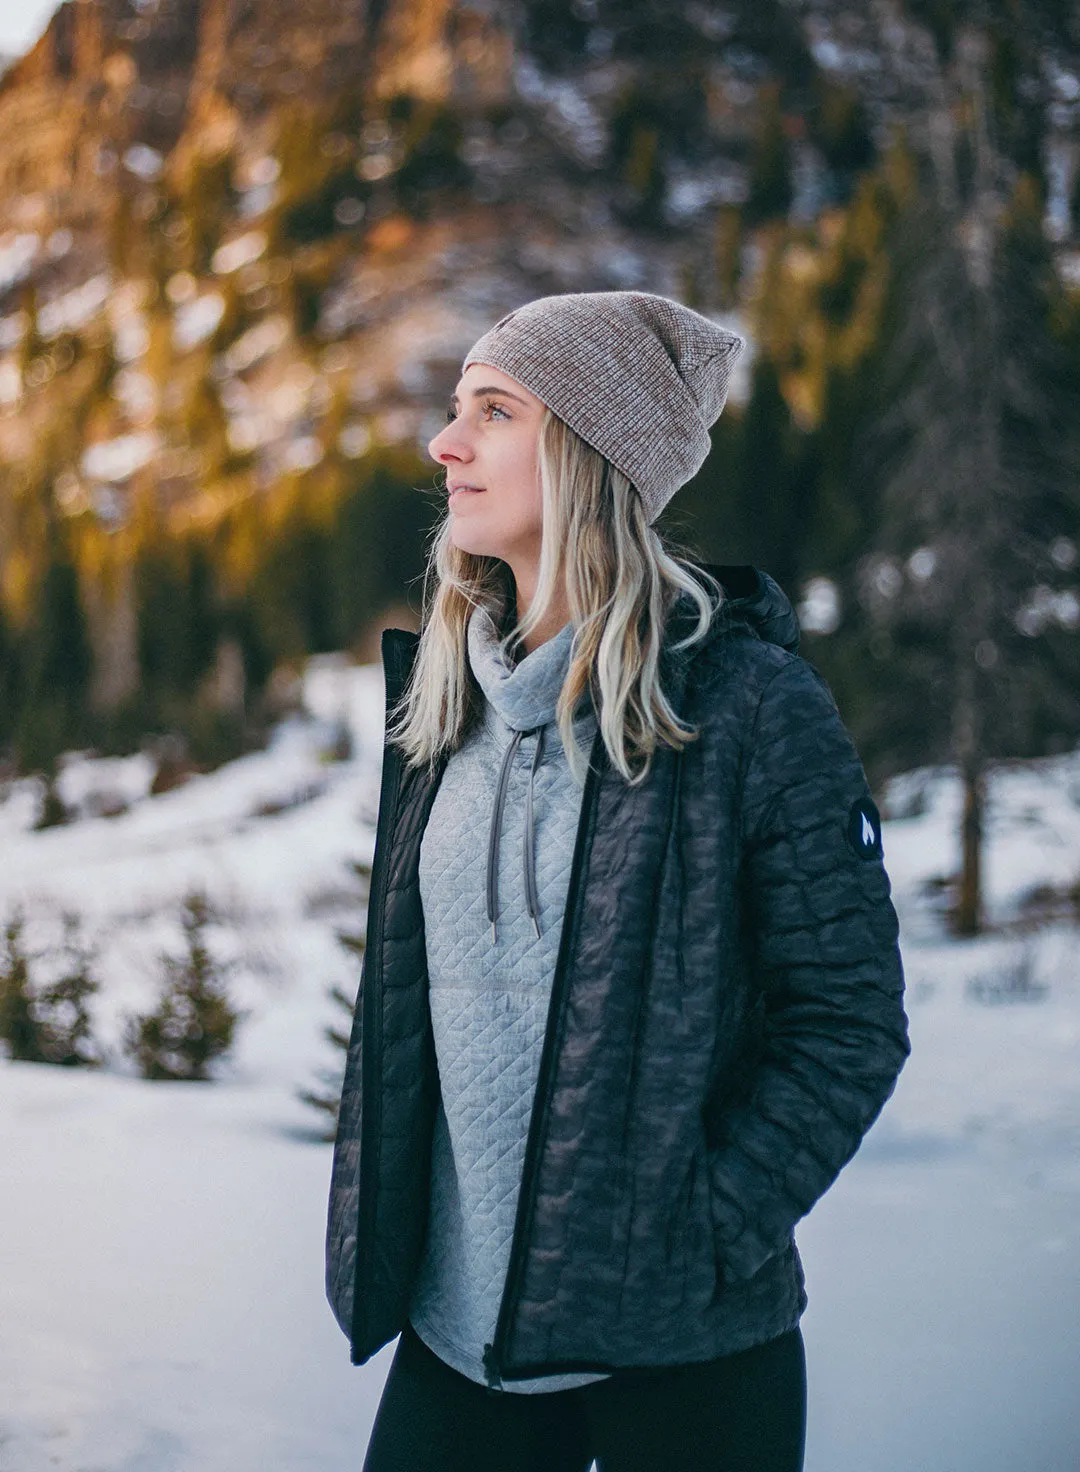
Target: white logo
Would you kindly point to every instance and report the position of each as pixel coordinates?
(869, 837)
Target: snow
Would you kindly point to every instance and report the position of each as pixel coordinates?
(119, 458)
(257, 343)
(161, 1245)
(239, 252)
(143, 160)
(162, 1291)
(197, 320)
(74, 308)
(17, 254)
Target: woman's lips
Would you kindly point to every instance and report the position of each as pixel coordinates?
(466, 491)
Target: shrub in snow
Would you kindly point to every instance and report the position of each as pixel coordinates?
(173, 765)
(47, 1024)
(195, 1021)
(340, 747)
(19, 1028)
(1013, 979)
(1046, 902)
(297, 796)
(325, 1096)
(62, 1009)
(53, 810)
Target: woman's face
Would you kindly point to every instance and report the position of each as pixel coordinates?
(489, 451)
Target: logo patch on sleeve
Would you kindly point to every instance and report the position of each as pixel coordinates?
(864, 829)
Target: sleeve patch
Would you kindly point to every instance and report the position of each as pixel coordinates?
(864, 829)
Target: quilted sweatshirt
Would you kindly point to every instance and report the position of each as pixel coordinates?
(494, 868)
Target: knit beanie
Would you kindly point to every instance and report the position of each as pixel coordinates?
(639, 377)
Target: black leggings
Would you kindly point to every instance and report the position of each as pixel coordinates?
(743, 1413)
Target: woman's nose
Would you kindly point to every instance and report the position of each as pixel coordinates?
(449, 444)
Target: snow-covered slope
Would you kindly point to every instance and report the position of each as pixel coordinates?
(161, 1303)
(269, 837)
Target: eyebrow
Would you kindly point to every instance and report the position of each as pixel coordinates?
(493, 388)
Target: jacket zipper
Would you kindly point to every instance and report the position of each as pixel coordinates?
(371, 1044)
(495, 1351)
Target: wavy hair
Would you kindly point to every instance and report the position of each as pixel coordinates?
(621, 579)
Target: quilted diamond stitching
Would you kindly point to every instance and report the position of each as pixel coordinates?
(489, 1004)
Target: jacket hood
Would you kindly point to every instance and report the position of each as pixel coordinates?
(755, 600)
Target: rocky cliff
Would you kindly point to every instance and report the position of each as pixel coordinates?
(239, 239)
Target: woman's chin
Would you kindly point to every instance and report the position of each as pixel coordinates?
(473, 541)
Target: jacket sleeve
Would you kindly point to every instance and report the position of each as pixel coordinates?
(826, 967)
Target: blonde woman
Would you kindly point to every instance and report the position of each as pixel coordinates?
(632, 993)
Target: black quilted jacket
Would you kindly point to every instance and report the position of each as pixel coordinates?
(726, 1022)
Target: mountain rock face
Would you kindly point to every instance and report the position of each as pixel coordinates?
(241, 242)
(215, 192)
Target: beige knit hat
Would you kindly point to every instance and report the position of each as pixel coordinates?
(639, 377)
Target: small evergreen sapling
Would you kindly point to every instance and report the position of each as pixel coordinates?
(47, 1024)
(326, 1096)
(20, 1029)
(195, 1021)
(62, 1006)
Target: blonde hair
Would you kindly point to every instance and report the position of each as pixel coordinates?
(620, 580)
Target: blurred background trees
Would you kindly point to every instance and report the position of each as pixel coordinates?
(234, 296)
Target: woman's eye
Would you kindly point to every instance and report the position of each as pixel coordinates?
(488, 406)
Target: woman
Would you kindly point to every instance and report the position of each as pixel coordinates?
(632, 993)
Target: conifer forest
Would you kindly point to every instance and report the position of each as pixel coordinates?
(244, 247)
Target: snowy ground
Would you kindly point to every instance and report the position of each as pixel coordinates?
(161, 1301)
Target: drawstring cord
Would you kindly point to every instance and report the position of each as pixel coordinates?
(532, 898)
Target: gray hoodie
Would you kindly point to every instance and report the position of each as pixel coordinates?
(494, 869)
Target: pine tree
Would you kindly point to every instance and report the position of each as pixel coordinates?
(965, 589)
(20, 1029)
(62, 1008)
(56, 671)
(771, 187)
(774, 497)
(840, 127)
(207, 202)
(195, 1021)
(8, 677)
(177, 617)
(326, 1096)
(47, 1024)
